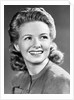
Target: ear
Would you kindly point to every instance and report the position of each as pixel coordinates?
(17, 47)
(53, 45)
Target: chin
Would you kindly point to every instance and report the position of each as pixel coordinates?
(37, 61)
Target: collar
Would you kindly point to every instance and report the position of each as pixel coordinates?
(41, 72)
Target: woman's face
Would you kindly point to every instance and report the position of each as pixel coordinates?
(34, 41)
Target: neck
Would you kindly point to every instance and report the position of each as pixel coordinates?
(34, 69)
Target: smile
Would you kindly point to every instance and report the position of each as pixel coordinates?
(36, 52)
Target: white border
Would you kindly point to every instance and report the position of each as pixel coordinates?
(36, 96)
(38, 2)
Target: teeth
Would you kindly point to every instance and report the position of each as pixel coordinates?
(37, 52)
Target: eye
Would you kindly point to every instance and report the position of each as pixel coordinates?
(28, 38)
(44, 37)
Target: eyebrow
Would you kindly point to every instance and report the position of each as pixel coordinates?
(43, 34)
(31, 35)
(26, 35)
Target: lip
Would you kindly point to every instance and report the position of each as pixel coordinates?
(35, 52)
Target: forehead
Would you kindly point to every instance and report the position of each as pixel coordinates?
(33, 28)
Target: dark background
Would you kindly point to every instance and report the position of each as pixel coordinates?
(61, 15)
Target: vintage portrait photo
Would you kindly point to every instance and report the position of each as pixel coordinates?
(37, 49)
(34, 54)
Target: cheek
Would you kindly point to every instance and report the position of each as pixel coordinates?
(46, 46)
(23, 47)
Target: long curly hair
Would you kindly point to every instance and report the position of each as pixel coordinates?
(28, 15)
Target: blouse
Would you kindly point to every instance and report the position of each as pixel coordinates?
(53, 79)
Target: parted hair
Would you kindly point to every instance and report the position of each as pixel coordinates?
(25, 16)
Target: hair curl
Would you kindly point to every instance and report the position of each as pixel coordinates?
(28, 15)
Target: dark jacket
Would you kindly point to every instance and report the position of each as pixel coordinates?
(51, 80)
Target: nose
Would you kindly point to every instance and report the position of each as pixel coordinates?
(36, 43)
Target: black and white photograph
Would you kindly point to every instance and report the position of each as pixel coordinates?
(37, 49)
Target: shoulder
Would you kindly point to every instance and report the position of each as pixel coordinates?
(58, 71)
(19, 78)
(18, 82)
(58, 80)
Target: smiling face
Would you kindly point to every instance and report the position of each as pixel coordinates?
(34, 41)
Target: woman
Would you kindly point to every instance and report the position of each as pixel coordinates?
(34, 54)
